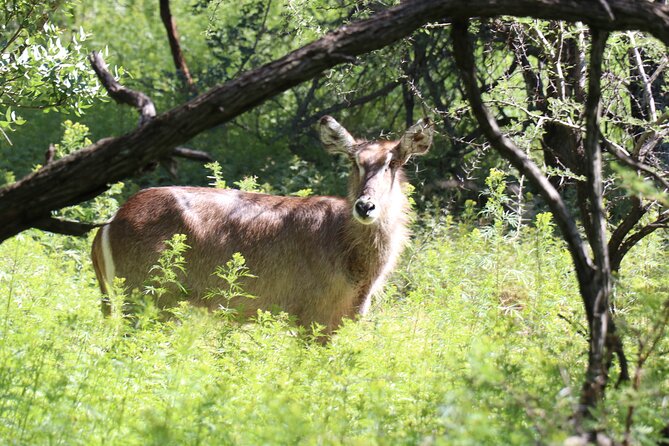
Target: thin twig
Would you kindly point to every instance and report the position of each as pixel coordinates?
(619, 153)
(645, 81)
(383, 91)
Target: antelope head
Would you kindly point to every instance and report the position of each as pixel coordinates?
(377, 164)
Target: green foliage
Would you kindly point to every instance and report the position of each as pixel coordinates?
(634, 184)
(104, 206)
(233, 273)
(216, 175)
(248, 184)
(165, 275)
(40, 66)
(6, 177)
(7, 124)
(476, 340)
(75, 137)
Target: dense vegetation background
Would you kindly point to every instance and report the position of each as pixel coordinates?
(480, 336)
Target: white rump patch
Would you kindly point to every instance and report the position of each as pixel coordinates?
(110, 268)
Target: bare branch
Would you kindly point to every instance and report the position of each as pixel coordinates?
(121, 94)
(604, 4)
(618, 235)
(596, 299)
(66, 227)
(50, 154)
(593, 153)
(662, 222)
(645, 81)
(196, 155)
(621, 154)
(175, 46)
(361, 100)
(660, 68)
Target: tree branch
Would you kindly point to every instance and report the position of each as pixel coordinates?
(645, 81)
(626, 225)
(175, 46)
(593, 153)
(192, 154)
(361, 100)
(619, 153)
(121, 94)
(67, 227)
(662, 222)
(596, 297)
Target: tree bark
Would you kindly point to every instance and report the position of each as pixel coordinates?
(119, 93)
(86, 173)
(597, 294)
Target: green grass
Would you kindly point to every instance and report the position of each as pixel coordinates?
(474, 341)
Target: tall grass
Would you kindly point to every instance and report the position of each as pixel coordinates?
(476, 340)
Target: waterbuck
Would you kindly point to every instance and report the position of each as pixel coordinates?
(318, 258)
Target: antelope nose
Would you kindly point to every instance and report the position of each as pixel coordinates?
(364, 208)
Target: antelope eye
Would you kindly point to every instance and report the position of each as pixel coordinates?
(394, 164)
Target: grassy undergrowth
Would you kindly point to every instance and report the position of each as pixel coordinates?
(476, 340)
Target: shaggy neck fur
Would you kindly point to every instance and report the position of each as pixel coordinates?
(374, 248)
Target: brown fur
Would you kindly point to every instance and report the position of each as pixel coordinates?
(312, 258)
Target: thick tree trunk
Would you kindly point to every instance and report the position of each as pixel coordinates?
(596, 296)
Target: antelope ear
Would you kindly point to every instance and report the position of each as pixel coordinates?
(416, 140)
(334, 137)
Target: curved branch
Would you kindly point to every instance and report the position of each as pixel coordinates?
(618, 235)
(662, 222)
(119, 93)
